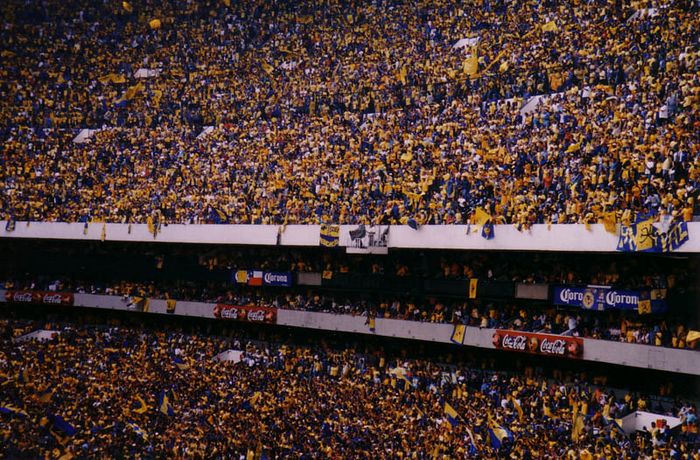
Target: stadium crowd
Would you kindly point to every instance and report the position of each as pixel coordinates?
(527, 268)
(122, 390)
(668, 330)
(349, 112)
(36, 259)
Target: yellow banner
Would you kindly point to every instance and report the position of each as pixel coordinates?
(458, 333)
(551, 26)
(470, 67)
(481, 217)
(473, 285)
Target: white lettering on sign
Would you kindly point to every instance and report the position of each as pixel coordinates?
(517, 342)
(554, 347)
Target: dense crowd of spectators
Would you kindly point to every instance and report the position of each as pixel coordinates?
(138, 261)
(119, 390)
(624, 326)
(527, 268)
(349, 112)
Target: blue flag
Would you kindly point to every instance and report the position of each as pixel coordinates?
(499, 434)
(179, 362)
(61, 424)
(487, 231)
(164, 406)
(451, 414)
(13, 410)
(139, 432)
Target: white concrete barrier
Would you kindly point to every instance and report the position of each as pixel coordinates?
(541, 237)
(40, 335)
(637, 421)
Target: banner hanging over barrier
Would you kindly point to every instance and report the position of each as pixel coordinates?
(645, 237)
(248, 314)
(277, 279)
(365, 239)
(538, 344)
(47, 298)
(261, 278)
(603, 298)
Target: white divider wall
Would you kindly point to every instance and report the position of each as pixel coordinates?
(647, 356)
(565, 237)
(626, 354)
(430, 332)
(184, 308)
(637, 421)
(112, 302)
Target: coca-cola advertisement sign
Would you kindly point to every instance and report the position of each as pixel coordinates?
(250, 314)
(48, 298)
(540, 344)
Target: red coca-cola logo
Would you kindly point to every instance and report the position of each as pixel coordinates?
(22, 297)
(252, 314)
(553, 347)
(52, 298)
(49, 298)
(544, 344)
(514, 342)
(256, 315)
(229, 313)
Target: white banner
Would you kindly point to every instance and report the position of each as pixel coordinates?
(365, 239)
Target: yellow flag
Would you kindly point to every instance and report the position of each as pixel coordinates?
(610, 222)
(548, 411)
(573, 148)
(551, 26)
(157, 95)
(644, 307)
(645, 235)
(458, 333)
(518, 408)
(255, 399)
(471, 65)
(45, 396)
(111, 77)
(170, 305)
(305, 19)
(127, 7)
(402, 75)
(473, 285)
(577, 428)
(267, 68)
(132, 91)
(692, 336)
(154, 24)
(481, 216)
(142, 406)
